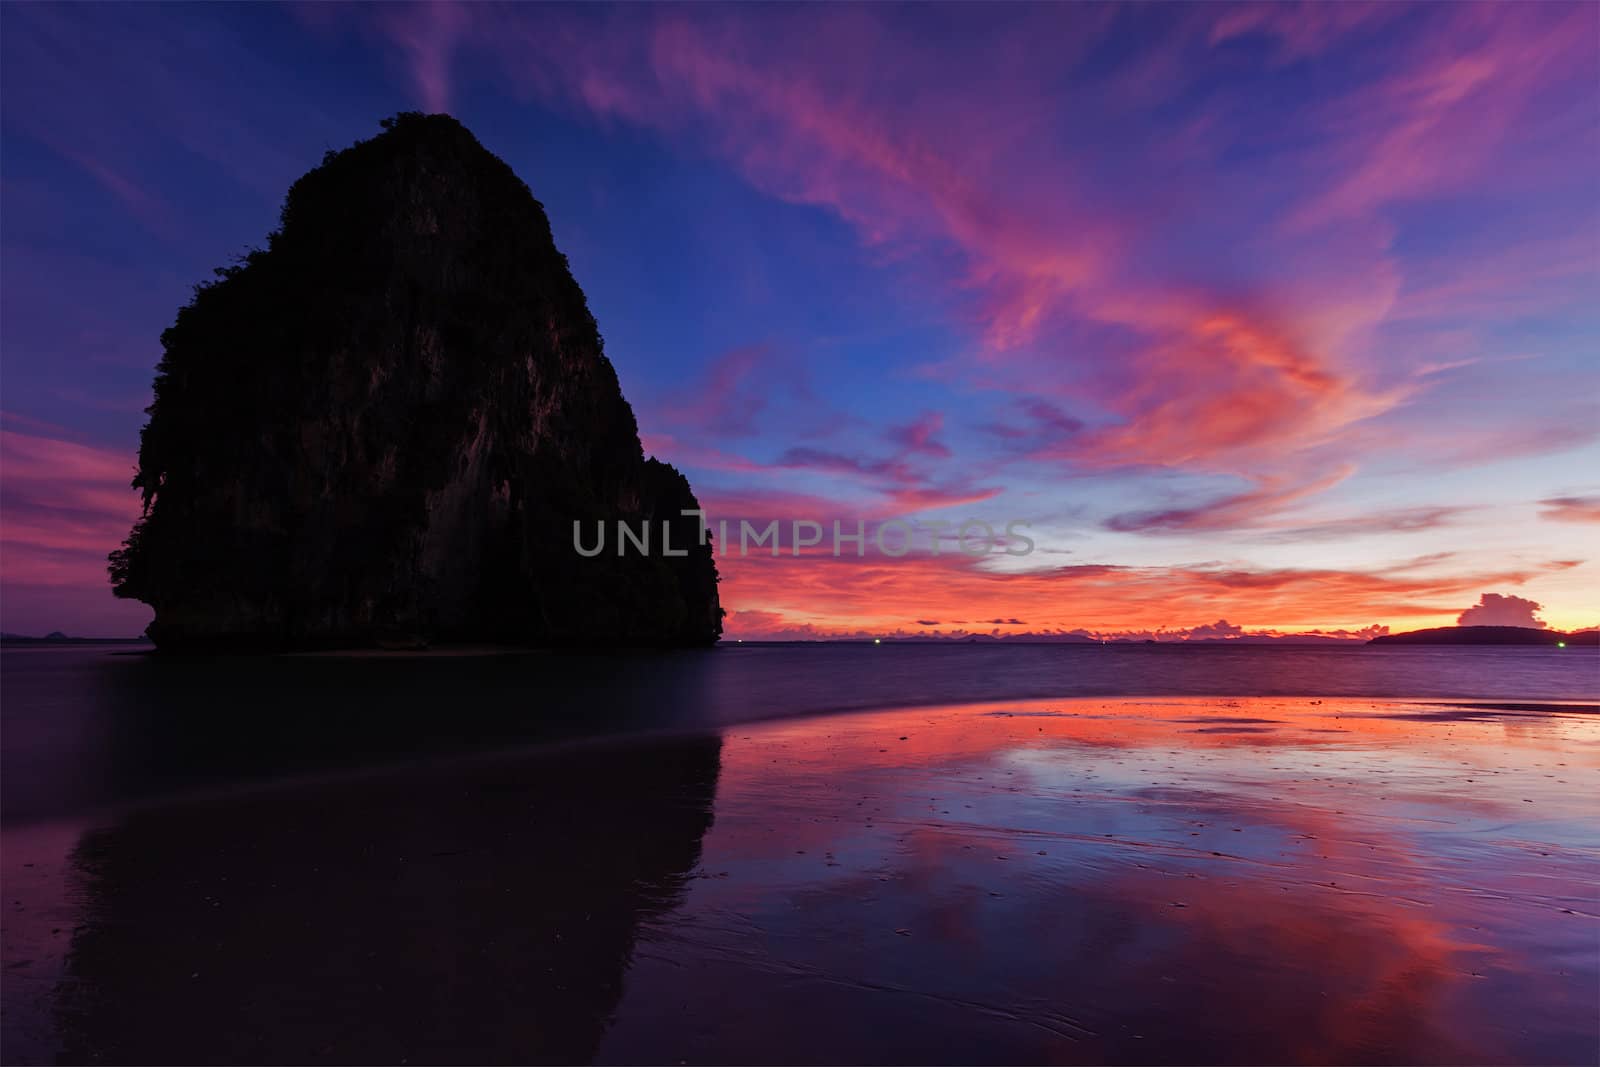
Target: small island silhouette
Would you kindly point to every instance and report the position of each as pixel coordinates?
(1490, 635)
(382, 427)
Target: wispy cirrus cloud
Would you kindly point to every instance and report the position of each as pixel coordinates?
(63, 506)
(921, 436)
(1091, 293)
(730, 397)
(1385, 521)
(66, 505)
(1215, 378)
(1571, 508)
(1225, 380)
(1431, 122)
(1230, 512)
(1259, 512)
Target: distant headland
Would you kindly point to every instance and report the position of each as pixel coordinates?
(1491, 635)
(56, 637)
(380, 429)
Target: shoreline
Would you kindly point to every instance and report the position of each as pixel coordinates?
(425, 764)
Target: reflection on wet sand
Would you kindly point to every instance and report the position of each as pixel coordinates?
(1186, 880)
(466, 914)
(1118, 881)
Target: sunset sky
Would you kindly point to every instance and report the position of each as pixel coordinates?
(1285, 316)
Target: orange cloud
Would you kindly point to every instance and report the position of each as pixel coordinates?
(845, 595)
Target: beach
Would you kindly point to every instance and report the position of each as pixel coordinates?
(1079, 880)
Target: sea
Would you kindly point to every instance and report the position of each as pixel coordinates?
(87, 726)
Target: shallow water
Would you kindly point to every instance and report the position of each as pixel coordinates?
(95, 728)
(1071, 880)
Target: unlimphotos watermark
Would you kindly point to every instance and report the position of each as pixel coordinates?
(892, 537)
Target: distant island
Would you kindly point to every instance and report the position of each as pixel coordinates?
(56, 637)
(384, 427)
(1491, 635)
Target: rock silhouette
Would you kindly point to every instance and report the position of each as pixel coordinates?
(383, 426)
(1486, 635)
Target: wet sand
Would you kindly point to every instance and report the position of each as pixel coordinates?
(1279, 880)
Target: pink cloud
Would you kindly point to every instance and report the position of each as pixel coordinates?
(1230, 512)
(731, 396)
(1493, 609)
(1216, 378)
(1221, 387)
(921, 436)
(1388, 521)
(1300, 29)
(804, 105)
(1436, 118)
(428, 31)
(63, 506)
(760, 506)
(1571, 508)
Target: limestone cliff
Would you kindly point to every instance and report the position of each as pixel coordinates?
(383, 425)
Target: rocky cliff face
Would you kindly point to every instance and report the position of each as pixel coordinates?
(383, 425)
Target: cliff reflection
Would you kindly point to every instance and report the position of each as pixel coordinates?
(477, 912)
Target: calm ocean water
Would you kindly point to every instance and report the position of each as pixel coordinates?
(93, 726)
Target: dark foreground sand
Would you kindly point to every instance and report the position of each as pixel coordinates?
(1182, 880)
